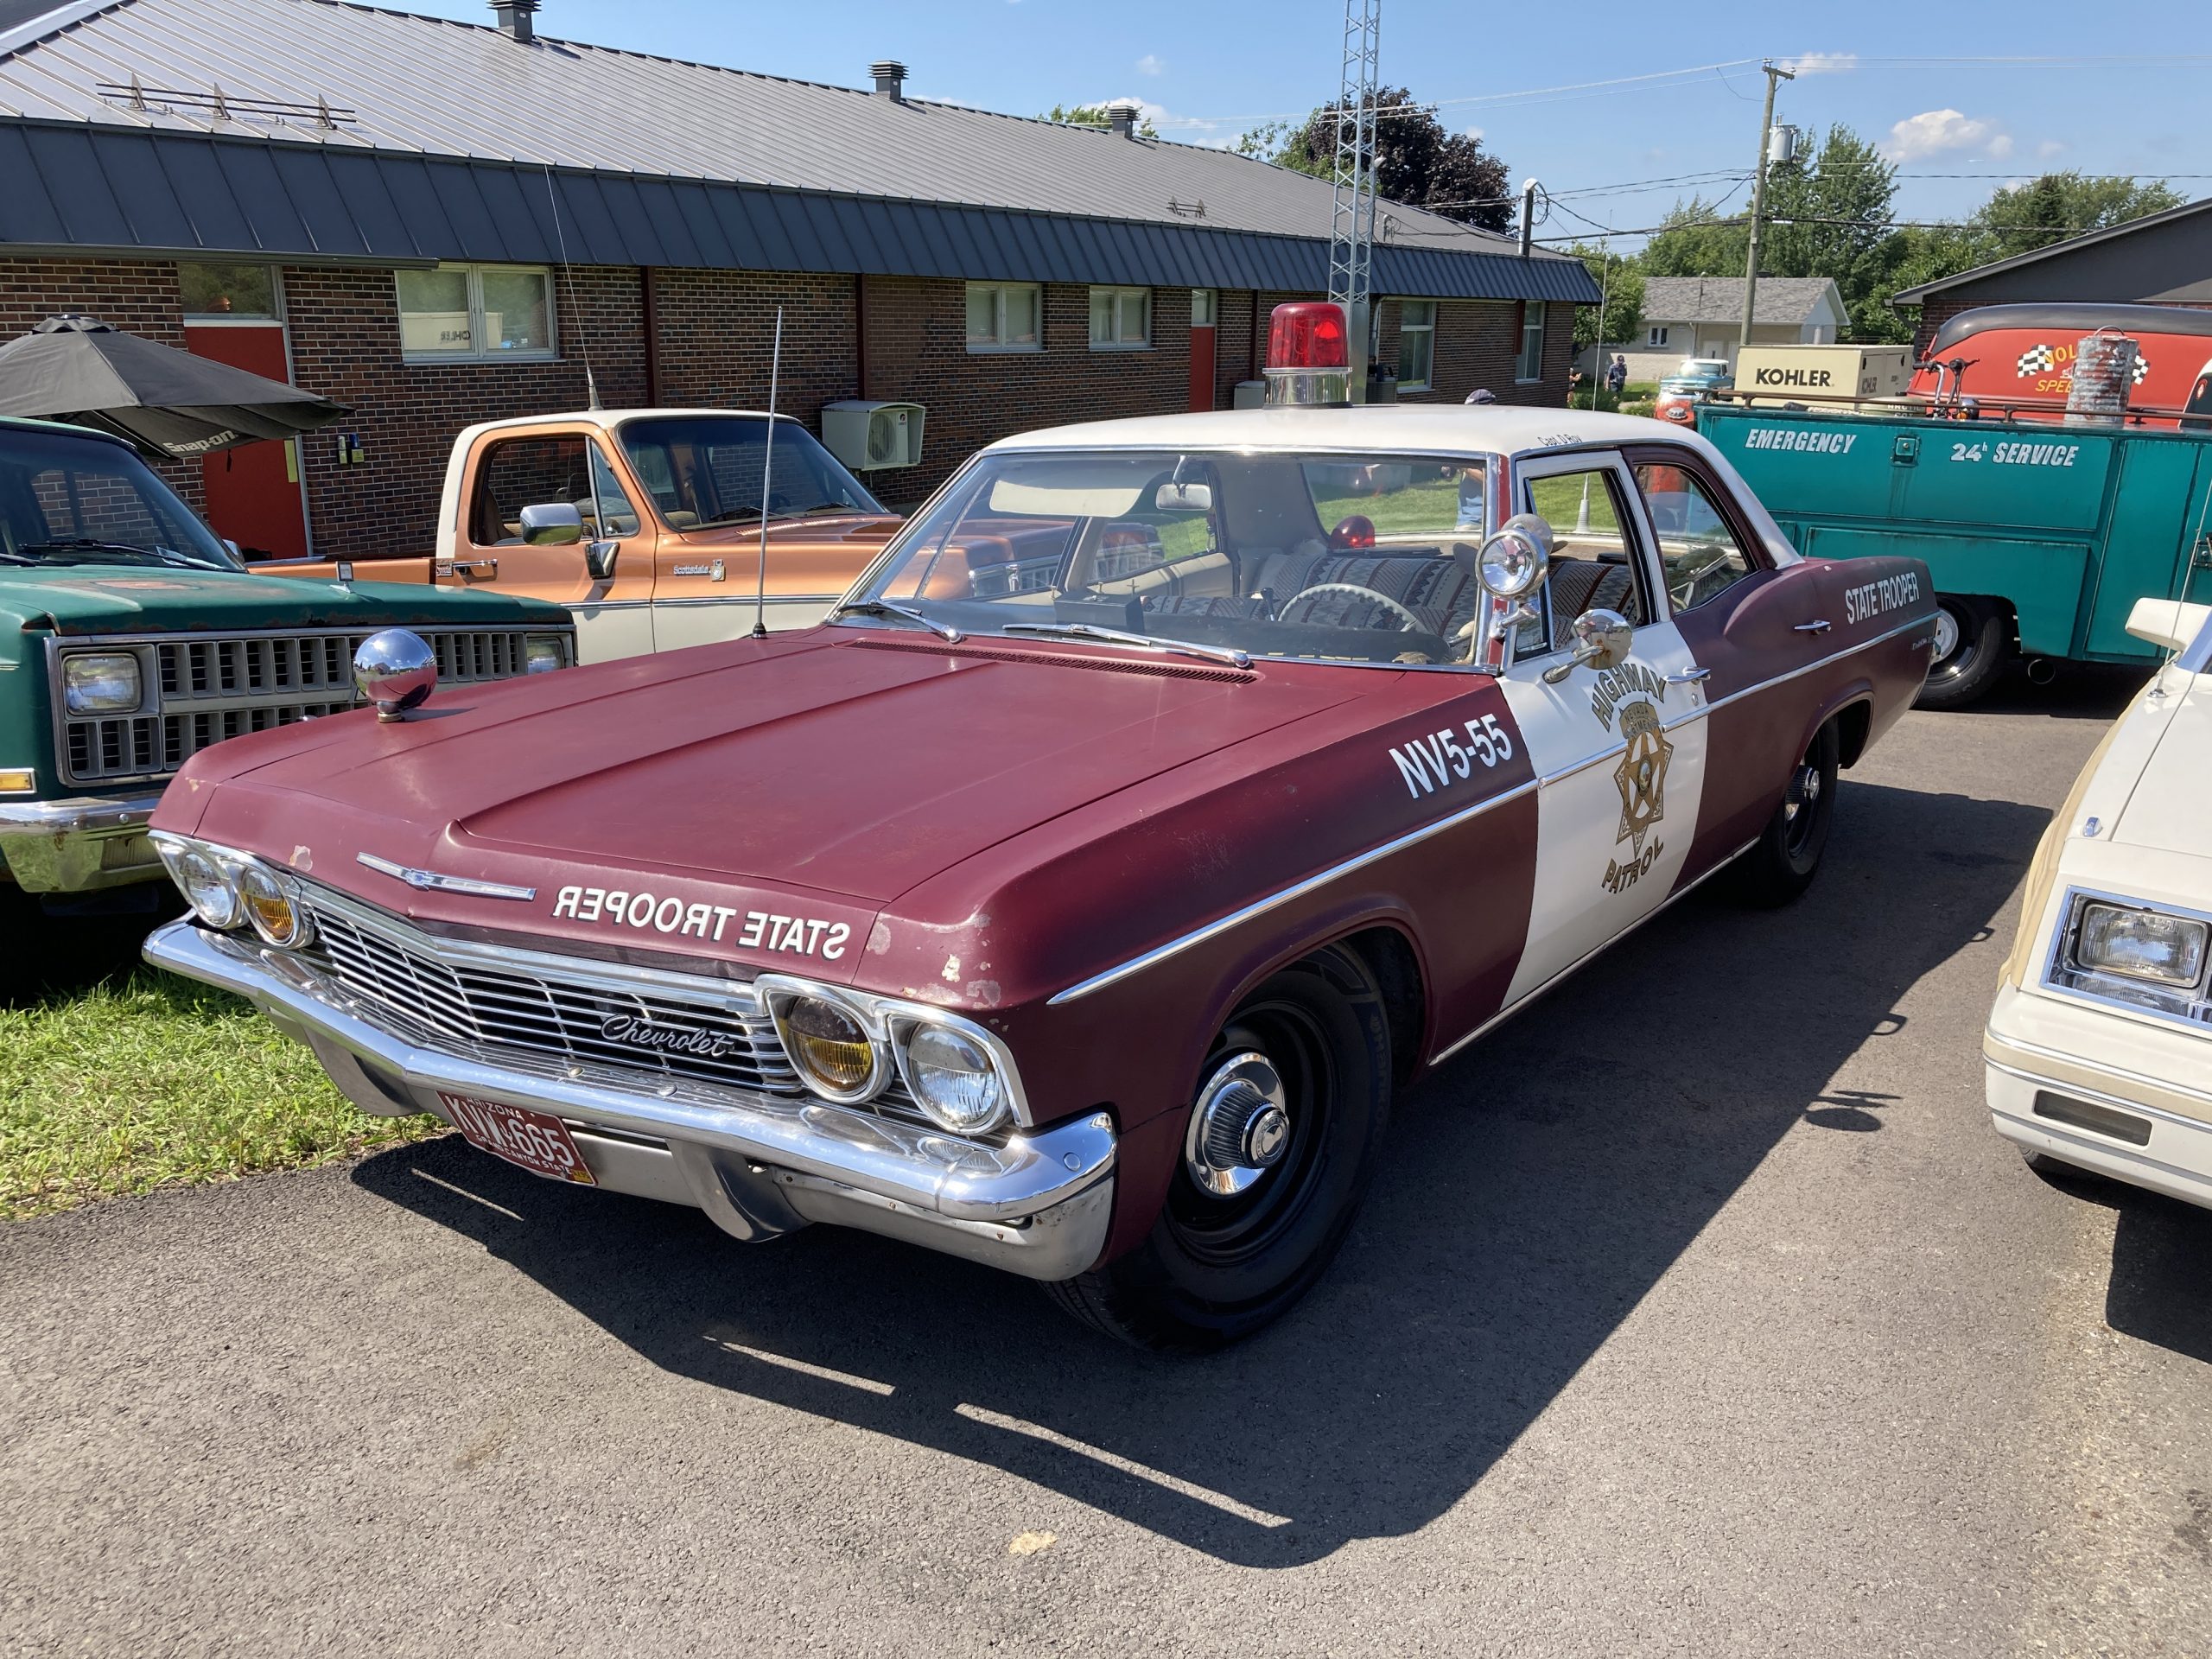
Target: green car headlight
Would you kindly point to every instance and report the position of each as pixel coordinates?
(100, 682)
(2146, 944)
(543, 652)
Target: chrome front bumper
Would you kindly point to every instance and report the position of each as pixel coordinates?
(75, 846)
(758, 1164)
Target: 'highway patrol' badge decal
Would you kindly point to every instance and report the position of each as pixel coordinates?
(1642, 777)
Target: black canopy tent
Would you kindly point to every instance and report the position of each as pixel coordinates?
(168, 402)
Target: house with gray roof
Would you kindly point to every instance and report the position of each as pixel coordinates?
(438, 222)
(1703, 316)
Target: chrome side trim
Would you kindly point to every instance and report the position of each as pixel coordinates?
(1529, 996)
(1814, 667)
(2118, 1102)
(744, 602)
(1297, 890)
(433, 881)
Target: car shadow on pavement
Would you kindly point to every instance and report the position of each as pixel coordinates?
(1528, 1197)
(2161, 1263)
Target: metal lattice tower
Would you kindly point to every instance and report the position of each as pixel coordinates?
(1352, 220)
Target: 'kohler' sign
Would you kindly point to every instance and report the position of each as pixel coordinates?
(1807, 379)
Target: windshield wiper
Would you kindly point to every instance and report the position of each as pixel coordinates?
(88, 544)
(1228, 654)
(944, 630)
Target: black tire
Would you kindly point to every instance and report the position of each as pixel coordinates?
(1215, 1269)
(1979, 647)
(1786, 855)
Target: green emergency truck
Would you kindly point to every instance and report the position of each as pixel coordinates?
(2040, 536)
(130, 639)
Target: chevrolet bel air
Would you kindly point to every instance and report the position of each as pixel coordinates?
(1167, 795)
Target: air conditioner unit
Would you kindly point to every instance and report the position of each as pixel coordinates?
(868, 435)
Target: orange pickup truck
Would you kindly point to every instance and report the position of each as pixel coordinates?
(645, 522)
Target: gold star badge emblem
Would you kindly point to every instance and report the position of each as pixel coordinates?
(1641, 774)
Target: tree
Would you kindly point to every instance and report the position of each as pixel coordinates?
(1417, 161)
(2057, 205)
(1690, 243)
(1093, 115)
(1622, 285)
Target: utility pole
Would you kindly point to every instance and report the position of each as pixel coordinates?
(1773, 73)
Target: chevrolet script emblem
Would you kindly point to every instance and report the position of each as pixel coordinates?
(432, 881)
(634, 1033)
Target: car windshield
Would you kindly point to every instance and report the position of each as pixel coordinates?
(1346, 558)
(66, 499)
(704, 470)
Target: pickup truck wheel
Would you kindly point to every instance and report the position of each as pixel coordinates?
(1783, 862)
(1970, 651)
(1278, 1148)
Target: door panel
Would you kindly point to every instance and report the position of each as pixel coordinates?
(1202, 362)
(253, 489)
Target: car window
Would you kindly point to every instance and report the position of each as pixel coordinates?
(65, 496)
(518, 473)
(1700, 551)
(703, 470)
(613, 502)
(1592, 562)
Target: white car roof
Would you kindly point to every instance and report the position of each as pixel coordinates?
(1452, 428)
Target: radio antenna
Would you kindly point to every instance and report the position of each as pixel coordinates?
(584, 334)
(767, 457)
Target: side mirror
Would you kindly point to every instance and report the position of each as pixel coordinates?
(552, 524)
(599, 560)
(1601, 640)
(397, 670)
(1514, 563)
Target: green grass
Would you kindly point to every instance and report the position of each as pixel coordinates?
(1430, 507)
(149, 1080)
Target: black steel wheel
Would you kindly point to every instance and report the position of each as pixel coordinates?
(1278, 1149)
(1786, 858)
(1972, 647)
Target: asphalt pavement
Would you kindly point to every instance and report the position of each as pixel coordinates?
(1697, 1311)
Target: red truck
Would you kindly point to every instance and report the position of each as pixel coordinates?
(1172, 793)
(2021, 359)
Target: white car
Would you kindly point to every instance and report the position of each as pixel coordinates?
(2099, 1049)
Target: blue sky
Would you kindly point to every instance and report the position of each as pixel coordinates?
(2128, 97)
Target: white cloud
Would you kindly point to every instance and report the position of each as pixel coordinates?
(1822, 63)
(1475, 133)
(1946, 132)
(1149, 65)
(1183, 129)
(2049, 148)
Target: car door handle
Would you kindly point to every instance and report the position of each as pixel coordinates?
(1689, 676)
(1818, 625)
(489, 568)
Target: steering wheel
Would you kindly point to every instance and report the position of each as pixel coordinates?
(1414, 624)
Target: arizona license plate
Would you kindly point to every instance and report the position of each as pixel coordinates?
(539, 1142)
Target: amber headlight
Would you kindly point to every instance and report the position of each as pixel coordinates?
(828, 1047)
(271, 903)
(209, 884)
(100, 682)
(954, 1079)
(2147, 945)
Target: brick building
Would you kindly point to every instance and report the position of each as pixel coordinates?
(438, 223)
(2160, 259)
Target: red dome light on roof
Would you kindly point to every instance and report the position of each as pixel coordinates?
(1308, 335)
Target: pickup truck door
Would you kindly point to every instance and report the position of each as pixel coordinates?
(512, 470)
(1619, 754)
(1750, 627)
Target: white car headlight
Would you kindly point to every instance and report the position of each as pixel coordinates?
(543, 652)
(209, 884)
(954, 1079)
(2147, 945)
(100, 682)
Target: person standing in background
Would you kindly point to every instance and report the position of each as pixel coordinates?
(1617, 374)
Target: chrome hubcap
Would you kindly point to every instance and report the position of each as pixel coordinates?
(1947, 633)
(1804, 789)
(1240, 1127)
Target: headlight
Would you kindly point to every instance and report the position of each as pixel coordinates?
(543, 652)
(2140, 944)
(827, 1046)
(954, 1079)
(100, 682)
(208, 885)
(271, 904)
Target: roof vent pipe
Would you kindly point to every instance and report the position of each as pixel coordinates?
(514, 18)
(1121, 117)
(890, 80)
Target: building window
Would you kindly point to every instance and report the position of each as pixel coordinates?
(1202, 302)
(221, 292)
(475, 313)
(1121, 319)
(1654, 338)
(1416, 344)
(1003, 316)
(1530, 364)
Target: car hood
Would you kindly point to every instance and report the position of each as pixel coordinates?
(856, 763)
(2169, 807)
(86, 599)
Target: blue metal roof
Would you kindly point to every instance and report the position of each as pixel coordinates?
(82, 187)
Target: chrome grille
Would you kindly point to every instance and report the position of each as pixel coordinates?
(473, 999)
(202, 688)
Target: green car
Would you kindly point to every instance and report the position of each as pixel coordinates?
(130, 639)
